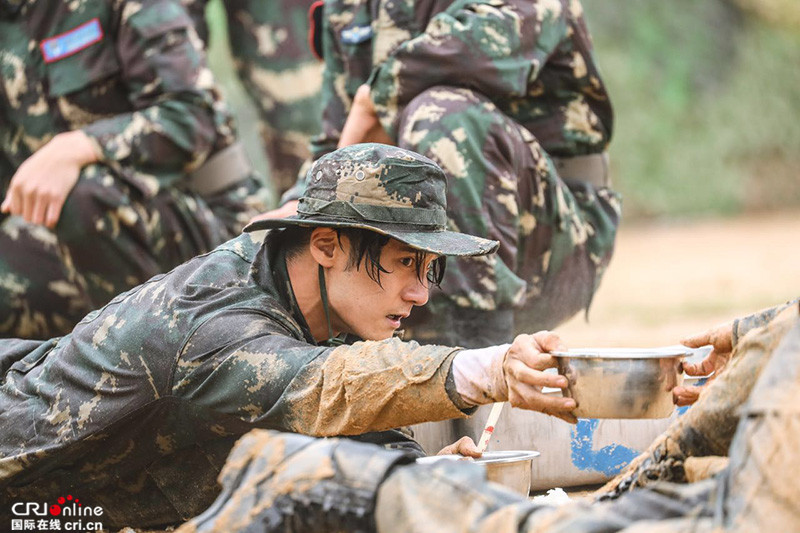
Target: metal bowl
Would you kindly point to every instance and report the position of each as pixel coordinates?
(510, 468)
(622, 382)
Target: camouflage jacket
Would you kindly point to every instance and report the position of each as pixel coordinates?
(209, 350)
(130, 74)
(532, 58)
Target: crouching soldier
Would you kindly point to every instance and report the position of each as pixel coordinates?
(118, 158)
(137, 408)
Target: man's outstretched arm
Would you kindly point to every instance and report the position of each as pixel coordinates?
(275, 381)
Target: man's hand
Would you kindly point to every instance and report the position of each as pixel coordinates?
(40, 186)
(464, 446)
(286, 210)
(362, 124)
(523, 369)
(720, 337)
(514, 373)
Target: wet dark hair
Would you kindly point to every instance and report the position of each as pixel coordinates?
(366, 246)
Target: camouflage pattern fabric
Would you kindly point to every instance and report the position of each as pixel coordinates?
(761, 482)
(741, 326)
(271, 53)
(453, 497)
(136, 409)
(262, 481)
(277, 482)
(490, 90)
(143, 94)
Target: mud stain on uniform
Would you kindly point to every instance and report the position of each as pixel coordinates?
(372, 386)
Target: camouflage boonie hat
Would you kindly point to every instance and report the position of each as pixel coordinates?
(385, 189)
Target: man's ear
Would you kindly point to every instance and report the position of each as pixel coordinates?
(324, 245)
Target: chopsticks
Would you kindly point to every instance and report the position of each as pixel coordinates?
(494, 414)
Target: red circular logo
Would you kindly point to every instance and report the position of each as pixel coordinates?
(55, 510)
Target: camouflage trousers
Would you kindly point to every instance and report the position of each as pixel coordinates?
(282, 482)
(109, 238)
(269, 43)
(556, 236)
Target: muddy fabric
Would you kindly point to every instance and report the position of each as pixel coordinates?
(456, 497)
(280, 482)
(489, 90)
(140, 89)
(700, 468)
(709, 426)
(272, 56)
(137, 408)
(290, 483)
(741, 326)
(761, 484)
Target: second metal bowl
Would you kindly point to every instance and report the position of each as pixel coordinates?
(511, 468)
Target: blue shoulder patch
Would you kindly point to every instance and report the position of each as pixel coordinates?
(72, 41)
(356, 34)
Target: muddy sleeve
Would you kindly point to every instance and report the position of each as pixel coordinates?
(741, 326)
(173, 123)
(495, 48)
(247, 366)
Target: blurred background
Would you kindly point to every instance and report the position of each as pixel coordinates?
(706, 152)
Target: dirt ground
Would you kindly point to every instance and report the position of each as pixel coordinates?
(667, 281)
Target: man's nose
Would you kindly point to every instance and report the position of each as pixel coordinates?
(416, 292)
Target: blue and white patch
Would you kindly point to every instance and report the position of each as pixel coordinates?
(356, 34)
(72, 41)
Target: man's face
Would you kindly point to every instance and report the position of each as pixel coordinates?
(360, 306)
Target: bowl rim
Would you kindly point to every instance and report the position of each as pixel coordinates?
(507, 456)
(623, 353)
(492, 457)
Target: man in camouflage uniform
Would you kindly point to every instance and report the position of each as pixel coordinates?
(118, 159)
(281, 482)
(506, 96)
(271, 52)
(138, 407)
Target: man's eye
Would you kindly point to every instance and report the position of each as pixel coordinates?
(407, 261)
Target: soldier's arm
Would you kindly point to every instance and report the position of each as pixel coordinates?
(723, 338)
(495, 48)
(741, 326)
(246, 365)
(176, 112)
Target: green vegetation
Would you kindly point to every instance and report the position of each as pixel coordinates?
(707, 101)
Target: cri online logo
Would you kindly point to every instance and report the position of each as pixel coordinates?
(64, 506)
